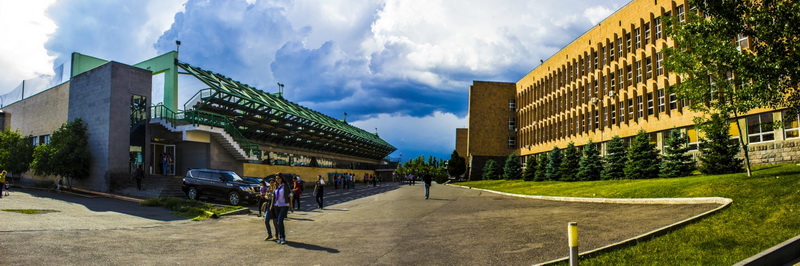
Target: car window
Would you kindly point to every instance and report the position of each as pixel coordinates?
(231, 176)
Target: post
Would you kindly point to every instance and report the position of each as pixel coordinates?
(572, 233)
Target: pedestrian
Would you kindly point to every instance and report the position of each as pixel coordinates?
(281, 204)
(2, 182)
(427, 179)
(138, 174)
(164, 164)
(297, 189)
(374, 180)
(262, 195)
(366, 179)
(267, 208)
(412, 180)
(319, 190)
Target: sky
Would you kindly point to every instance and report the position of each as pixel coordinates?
(401, 68)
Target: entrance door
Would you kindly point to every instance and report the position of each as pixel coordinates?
(163, 159)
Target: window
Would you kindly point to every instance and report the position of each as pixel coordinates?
(650, 104)
(613, 114)
(638, 65)
(694, 143)
(637, 32)
(583, 123)
(681, 14)
(629, 70)
(628, 41)
(596, 119)
(742, 41)
(512, 105)
(613, 82)
(512, 142)
(512, 123)
(759, 128)
(639, 105)
(673, 101)
(659, 66)
(619, 47)
(792, 128)
(621, 79)
(611, 53)
(594, 55)
(661, 101)
(621, 112)
(647, 33)
(35, 141)
(630, 109)
(657, 22)
(46, 139)
(648, 66)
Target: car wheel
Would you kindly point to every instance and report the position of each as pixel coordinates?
(233, 198)
(193, 194)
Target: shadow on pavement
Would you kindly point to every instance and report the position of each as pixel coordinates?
(102, 204)
(311, 247)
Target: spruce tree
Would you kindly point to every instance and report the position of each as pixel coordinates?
(676, 162)
(530, 168)
(541, 167)
(569, 166)
(718, 153)
(643, 158)
(490, 170)
(590, 166)
(615, 159)
(553, 164)
(511, 169)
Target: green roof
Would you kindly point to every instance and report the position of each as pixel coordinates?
(269, 118)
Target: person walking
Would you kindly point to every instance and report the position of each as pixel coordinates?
(297, 189)
(427, 179)
(2, 182)
(267, 208)
(262, 196)
(281, 204)
(138, 174)
(319, 190)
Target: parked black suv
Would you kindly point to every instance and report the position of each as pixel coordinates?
(219, 184)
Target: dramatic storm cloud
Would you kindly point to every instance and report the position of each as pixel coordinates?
(403, 67)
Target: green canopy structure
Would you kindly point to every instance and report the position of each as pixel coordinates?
(267, 118)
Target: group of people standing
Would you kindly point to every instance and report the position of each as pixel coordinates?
(346, 181)
(278, 197)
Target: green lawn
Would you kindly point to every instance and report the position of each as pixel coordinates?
(765, 212)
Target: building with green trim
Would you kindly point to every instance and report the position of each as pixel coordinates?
(228, 125)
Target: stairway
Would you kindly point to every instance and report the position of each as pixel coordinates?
(218, 133)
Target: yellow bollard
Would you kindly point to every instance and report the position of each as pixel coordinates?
(572, 234)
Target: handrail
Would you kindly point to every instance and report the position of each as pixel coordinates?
(198, 117)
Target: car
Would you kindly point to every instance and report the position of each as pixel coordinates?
(219, 184)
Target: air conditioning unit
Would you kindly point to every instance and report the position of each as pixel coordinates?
(593, 100)
(611, 94)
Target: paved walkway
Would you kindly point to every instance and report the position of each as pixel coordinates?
(456, 226)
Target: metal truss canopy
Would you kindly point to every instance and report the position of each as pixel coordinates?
(268, 118)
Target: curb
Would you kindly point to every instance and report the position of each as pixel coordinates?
(724, 203)
(243, 210)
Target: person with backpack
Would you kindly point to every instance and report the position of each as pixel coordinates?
(297, 189)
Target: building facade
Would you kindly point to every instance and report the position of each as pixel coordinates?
(611, 81)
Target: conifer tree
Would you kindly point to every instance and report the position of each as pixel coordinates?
(643, 158)
(511, 169)
(490, 170)
(676, 162)
(718, 154)
(615, 159)
(590, 166)
(569, 166)
(553, 164)
(530, 168)
(541, 167)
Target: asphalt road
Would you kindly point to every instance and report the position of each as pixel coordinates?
(395, 227)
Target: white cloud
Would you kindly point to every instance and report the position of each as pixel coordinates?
(434, 132)
(25, 29)
(597, 13)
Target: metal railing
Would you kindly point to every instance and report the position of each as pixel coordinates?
(197, 117)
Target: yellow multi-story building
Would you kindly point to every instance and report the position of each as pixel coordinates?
(611, 81)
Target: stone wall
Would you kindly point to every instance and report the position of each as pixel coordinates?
(786, 151)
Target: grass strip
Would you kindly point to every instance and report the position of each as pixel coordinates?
(29, 211)
(764, 213)
(196, 210)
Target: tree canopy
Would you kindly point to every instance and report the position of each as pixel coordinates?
(67, 155)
